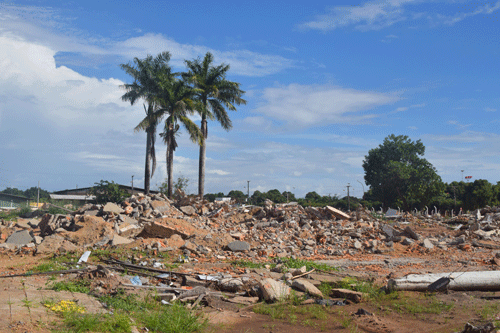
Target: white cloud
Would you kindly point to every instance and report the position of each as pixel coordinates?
(486, 9)
(376, 15)
(303, 106)
(458, 125)
(39, 24)
(369, 16)
(490, 109)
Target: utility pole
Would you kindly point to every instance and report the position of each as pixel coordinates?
(462, 175)
(38, 196)
(348, 197)
(363, 188)
(132, 184)
(248, 190)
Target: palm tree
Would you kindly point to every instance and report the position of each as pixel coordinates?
(176, 102)
(215, 95)
(146, 74)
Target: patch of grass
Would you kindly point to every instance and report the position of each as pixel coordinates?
(48, 267)
(298, 263)
(79, 286)
(275, 311)
(246, 263)
(171, 319)
(429, 305)
(372, 291)
(489, 311)
(76, 322)
(127, 309)
(325, 288)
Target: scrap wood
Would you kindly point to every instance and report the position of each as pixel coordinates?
(123, 263)
(153, 287)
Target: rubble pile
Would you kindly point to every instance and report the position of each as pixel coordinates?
(220, 230)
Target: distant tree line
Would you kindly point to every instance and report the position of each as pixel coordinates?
(30, 193)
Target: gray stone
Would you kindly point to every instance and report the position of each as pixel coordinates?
(238, 246)
(188, 210)
(273, 290)
(231, 285)
(308, 287)
(91, 212)
(407, 241)
(55, 243)
(358, 245)
(34, 223)
(299, 271)
(427, 244)
(388, 230)
(23, 224)
(412, 234)
(20, 238)
(112, 208)
(119, 240)
(38, 240)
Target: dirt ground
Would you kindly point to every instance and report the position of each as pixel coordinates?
(21, 297)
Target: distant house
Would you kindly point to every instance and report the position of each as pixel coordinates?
(10, 201)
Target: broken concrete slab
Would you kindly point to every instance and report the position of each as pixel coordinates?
(238, 246)
(308, 287)
(22, 237)
(188, 210)
(337, 213)
(112, 208)
(55, 243)
(273, 291)
(119, 240)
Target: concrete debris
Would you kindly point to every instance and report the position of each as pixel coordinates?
(307, 287)
(20, 238)
(273, 291)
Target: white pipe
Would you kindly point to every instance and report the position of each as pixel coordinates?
(482, 280)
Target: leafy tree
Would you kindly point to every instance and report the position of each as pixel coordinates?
(258, 198)
(237, 195)
(398, 176)
(106, 191)
(289, 196)
(215, 94)
(32, 193)
(13, 191)
(482, 194)
(212, 196)
(181, 184)
(275, 196)
(312, 196)
(146, 74)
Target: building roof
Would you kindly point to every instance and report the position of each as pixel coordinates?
(71, 197)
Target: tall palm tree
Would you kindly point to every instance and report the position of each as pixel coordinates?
(146, 74)
(215, 94)
(176, 102)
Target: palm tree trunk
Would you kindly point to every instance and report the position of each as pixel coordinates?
(203, 150)
(170, 162)
(147, 168)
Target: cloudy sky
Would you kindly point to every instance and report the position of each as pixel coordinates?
(325, 83)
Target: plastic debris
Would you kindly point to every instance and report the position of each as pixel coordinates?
(136, 281)
(84, 257)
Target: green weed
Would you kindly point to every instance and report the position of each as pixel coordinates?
(80, 286)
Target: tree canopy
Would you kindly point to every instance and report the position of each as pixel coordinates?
(398, 175)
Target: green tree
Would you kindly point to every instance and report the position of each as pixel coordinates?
(13, 191)
(275, 196)
(398, 176)
(215, 94)
(106, 191)
(32, 193)
(146, 74)
(237, 195)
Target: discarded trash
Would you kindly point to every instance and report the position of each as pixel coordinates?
(84, 257)
(165, 302)
(363, 312)
(163, 276)
(136, 281)
(208, 277)
(329, 302)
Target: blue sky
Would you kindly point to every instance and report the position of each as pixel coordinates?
(325, 83)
